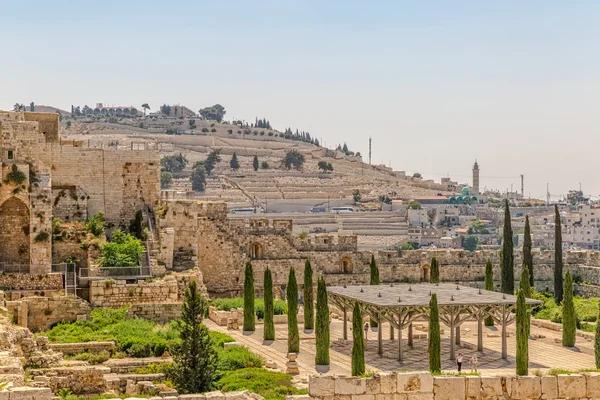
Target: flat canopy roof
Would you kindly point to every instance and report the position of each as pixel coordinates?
(399, 295)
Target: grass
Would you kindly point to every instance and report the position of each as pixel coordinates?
(279, 306)
(586, 310)
(271, 385)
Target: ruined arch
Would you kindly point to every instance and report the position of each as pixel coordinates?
(425, 273)
(14, 232)
(256, 250)
(346, 266)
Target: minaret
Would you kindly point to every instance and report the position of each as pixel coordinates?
(475, 178)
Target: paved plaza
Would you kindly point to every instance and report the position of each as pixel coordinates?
(544, 353)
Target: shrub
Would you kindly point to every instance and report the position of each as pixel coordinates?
(93, 358)
(271, 385)
(122, 251)
(95, 225)
(43, 236)
(279, 306)
(15, 176)
(237, 357)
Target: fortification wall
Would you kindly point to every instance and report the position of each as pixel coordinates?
(114, 294)
(69, 203)
(31, 282)
(423, 385)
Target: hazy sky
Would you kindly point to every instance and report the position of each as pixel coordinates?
(437, 84)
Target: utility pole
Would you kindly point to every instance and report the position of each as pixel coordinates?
(547, 194)
(369, 150)
(522, 187)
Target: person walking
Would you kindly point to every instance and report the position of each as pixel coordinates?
(366, 329)
(459, 361)
(473, 363)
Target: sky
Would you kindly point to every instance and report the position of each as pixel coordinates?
(436, 84)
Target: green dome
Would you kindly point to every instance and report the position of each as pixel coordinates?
(466, 191)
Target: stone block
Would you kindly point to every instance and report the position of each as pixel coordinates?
(321, 386)
(192, 397)
(571, 386)
(241, 395)
(449, 387)
(419, 396)
(364, 397)
(491, 387)
(549, 387)
(216, 395)
(29, 393)
(473, 387)
(388, 381)
(414, 382)
(592, 383)
(350, 385)
(373, 385)
(526, 387)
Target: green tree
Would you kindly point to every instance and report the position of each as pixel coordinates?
(255, 163)
(146, 107)
(264, 165)
(309, 298)
(213, 158)
(322, 324)
(524, 282)
(522, 333)
(374, 280)
(249, 298)
(293, 159)
(173, 163)
(358, 342)
(569, 317)
(414, 205)
(478, 227)
(269, 325)
(234, 163)
(32, 106)
(215, 113)
(558, 258)
(597, 340)
(166, 179)
(324, 166)
(508, 273)
(434, 275)
(470, 242)
(435, 349)
(194, 358)
(489, 285)
(356, 195)
(292, 300)
(198, 177)
(527, 255)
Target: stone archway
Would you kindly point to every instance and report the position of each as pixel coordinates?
(256, 250)
(14, 232)
(425, 273)
(346, 266)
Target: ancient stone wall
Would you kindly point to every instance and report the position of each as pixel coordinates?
(423, 385)
(111, 293)
(47, 311)
(161, 313)
(69, 203)
(31, 282)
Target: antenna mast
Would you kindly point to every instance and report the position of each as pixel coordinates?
(369, 150)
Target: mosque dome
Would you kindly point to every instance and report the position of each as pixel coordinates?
(466, 191)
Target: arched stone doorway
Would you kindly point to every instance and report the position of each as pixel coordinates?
(346, 265)
(14, 232)
(425, 269)
(256, 250)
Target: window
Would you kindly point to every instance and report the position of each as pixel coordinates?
(11, 154)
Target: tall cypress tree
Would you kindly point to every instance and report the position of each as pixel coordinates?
(522, 335)
(269, 331)
(569, 318)
(558, 258)
(435, 362)
(255, 163)
(435, 271)
(374, 281)
(527, 255)
(309, 300)
(597, 340)
(249, 298)
(489, 285)
(526, 289)
(234, 163)
(508, 273)
(194, 358)
(292, 300)
(358, 342)
(322, 327)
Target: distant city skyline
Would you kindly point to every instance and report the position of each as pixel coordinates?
(436, 86)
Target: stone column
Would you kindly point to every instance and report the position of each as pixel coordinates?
(480, 333)
(457, 335)
(345, 323)
(391, 332)
(410, 335)
(380, 338)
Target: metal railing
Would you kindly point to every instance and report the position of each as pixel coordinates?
(10, 268)
(114, 272)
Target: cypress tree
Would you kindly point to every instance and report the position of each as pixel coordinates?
(524, 282)
(597, 340)
(309, 300)
(269, 331)
(508, 273)
(569, 319)
(249, 298)
(435, 362)
(292, 300)
(489, 285)
(358, 342)
(435, 271)
(322, 327)
(194, 358)
(522, 334)
(234, 163)
(558, 258)
(374, 281)
(527, 255)
(255, 163)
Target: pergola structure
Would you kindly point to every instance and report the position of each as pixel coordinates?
(401, 304)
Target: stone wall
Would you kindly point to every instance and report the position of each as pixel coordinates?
(76, 348)
(69, 203)
(47, 311)
(422, 385)
(161, 313)
(31, 282)
(111, 293)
